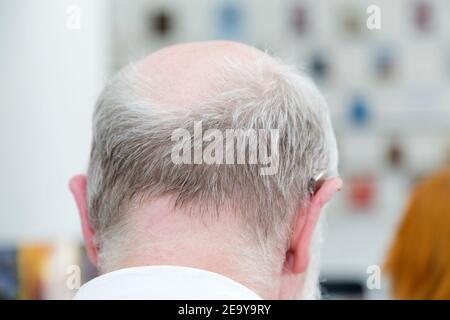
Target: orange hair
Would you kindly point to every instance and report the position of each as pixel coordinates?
(419, 259)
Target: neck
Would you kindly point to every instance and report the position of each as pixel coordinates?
(164, 237)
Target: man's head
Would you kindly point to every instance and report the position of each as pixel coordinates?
(221, 211)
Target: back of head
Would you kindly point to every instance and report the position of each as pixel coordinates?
(148, 106)
(419, 258)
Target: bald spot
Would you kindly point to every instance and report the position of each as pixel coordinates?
(186, 73)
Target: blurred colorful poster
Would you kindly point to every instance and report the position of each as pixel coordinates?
(423, 16)
(359, 111)
(32, 269)
(362, 191)
(300, 20)
(319, 67)
(160, 23)
(9, 283)
(230, 21)
(351, 21)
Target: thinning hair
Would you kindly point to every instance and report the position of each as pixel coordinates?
(131, 150)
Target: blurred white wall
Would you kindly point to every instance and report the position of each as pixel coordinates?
(49, 79)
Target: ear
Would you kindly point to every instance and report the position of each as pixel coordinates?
(306, 222)
(78, 187)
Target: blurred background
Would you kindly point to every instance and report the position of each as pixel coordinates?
(388, 90)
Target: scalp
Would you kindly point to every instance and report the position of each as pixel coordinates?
(186, 73)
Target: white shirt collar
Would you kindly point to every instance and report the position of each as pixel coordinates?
(164, 283)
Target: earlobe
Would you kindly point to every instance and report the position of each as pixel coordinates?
(306, 223)
(78, 187)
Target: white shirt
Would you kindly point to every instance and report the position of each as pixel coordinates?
(164, 283)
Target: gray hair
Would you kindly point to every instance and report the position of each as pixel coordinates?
(131, 149)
